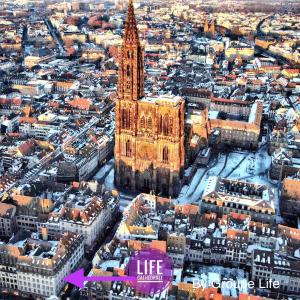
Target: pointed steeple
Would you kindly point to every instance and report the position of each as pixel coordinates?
(131, 32)
(131, 61)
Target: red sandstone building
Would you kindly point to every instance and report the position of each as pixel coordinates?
(149, 135)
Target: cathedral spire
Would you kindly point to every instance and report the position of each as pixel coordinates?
(131, 32)
(131, 61)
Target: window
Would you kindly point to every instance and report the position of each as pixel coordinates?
(128, 149)
(130, 54)
(128, 71)
(165, 154)
(125, 120)
(166, 125)
(143, 122)
(160, 124)
(150, 122)
(170, 125)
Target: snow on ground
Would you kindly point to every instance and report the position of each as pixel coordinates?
(218, 166)
(109, 180)
(193, 192)
(104, 170)
(254, 168)
(106, 176)
(189, 193)
(234, 159)
(238, 165)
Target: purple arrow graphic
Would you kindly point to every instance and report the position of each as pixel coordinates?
(77, 278)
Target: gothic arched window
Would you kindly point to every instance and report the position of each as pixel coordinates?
(128, 71)
(143, 122)
(125, 118)
(165, 154)
(128, 148)
(166, 125)
(160, 124)
(150, 122)
(170, 125)
(130, 54)
(128, 119)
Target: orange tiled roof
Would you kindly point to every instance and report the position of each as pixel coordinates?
(64, 84)
(238, 216)
(291, 71)
(289, 232)
(76, 184)
(81, 103)
(291, 187)
(6, 209)
(100, 272)
(22, 200)
(275, 68)
(46, 205)
(199, 293)
(163, 201)
(119, 272)
(159, 245)
(187, 209)
(28, 120)
(233, 233)
(14, 101)
(233, 101)
(135, 245)
(85, 214)
(26, 147)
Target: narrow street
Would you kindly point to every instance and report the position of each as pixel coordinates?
(55, 36)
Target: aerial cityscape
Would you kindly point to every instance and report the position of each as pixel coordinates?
(150, 149)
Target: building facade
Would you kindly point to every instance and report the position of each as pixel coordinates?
(149, 135)
(224, 196)
(290, 198)
(8, 224)
(203, 241)
(235, 123)
(90, 220)
(37, 268)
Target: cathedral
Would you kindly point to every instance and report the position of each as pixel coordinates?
(209, 30)
(149, 134)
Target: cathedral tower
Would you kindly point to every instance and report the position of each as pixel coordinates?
(206, 28)
(131, 61)
(149, 134)
(212, 27)
(209, 27)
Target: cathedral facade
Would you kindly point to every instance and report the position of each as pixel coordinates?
(149, 134)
